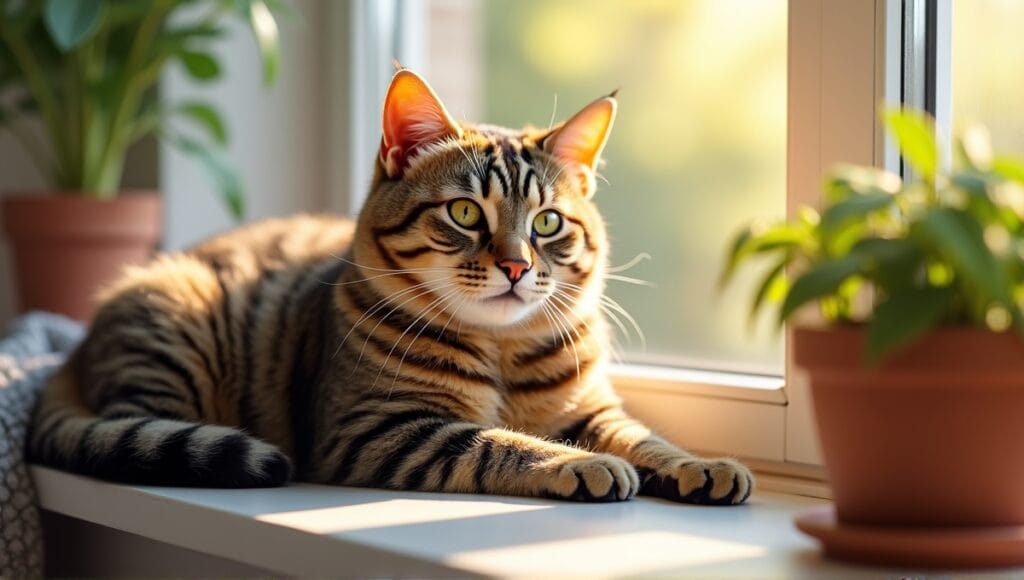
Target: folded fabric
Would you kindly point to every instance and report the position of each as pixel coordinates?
(34, 346)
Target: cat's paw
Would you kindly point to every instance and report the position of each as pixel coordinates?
(597, 478)
(700, 481)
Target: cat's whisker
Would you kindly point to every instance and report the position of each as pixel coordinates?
(629, 317)
(443, 304)
(617, 321)
(556, 329)
(364, 280)
(456, 293)
(571, 303)
(564, 324)
(472, 162)
(559, 170)
(615, 349)
(396, 270)
(437, 300)
(610, 303)
(633, 262)
(478, 163)
(464, 300)
(542, 181)
(614, 317)
(362, 349)
(380, 304)
(554, 111)
(629, 280)
(551, 325)
(417, 296)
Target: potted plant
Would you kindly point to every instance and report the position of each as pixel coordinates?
(915, 357)
(88, 71)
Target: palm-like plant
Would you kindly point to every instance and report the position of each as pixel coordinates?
(88, 69)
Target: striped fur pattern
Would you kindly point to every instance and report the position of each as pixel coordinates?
(407, 351)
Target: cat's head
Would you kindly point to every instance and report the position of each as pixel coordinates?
(491, 225)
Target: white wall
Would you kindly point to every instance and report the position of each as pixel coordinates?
(277, 136)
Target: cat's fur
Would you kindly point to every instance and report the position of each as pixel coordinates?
(394, 353)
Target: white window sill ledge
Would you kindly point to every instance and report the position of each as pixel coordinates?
(309, 530)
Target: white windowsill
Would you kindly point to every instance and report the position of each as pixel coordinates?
(705, 383)
(310, 530)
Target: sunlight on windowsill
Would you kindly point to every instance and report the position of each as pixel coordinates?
(395, 512)
(638, 553)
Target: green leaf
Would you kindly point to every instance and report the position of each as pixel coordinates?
(224, 176)
(821, 280)
(120, 12)
(778, 237)
(891, 263)
(972, 182)
(769, 282)
(208, 118)
(264, 27)
(200, 65)
(13, 7)
(905, 317)
(981, 204)
(915, 134)
(854, 207)
(733, 257)
(1009, 168)
(72, 22)
(960, 239)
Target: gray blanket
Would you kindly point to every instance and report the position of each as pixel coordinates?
(33, 348)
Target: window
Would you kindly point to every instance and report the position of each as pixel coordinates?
(731, 110)
(988, 57)
(699, 146)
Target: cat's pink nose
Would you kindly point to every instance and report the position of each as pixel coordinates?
(514, 269)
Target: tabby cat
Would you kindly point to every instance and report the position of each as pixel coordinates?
(452, 340)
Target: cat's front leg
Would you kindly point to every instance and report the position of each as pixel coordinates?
(422, 450)
(665, 470)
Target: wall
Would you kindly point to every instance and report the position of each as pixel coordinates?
(16, 174)
(277, 135)
(455, 61)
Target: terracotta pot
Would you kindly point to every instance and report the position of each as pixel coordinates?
(933, 436)
(66, 247)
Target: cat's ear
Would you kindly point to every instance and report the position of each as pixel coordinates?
(579, 141)
(413, 117)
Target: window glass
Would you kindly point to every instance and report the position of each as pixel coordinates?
(699, 146)
(988, 70)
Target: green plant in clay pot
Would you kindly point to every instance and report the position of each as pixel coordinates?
(914, 352)
(87, 72)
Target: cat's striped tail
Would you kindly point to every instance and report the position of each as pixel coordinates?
(147, 450)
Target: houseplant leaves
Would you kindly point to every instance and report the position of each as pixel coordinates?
(945, 248)
(71, 23)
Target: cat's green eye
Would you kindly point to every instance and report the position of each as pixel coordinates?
(547, 223)
(466, 213)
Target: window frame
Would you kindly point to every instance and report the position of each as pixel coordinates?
(844, 65)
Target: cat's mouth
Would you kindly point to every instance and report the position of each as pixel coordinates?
(497, 310)
(507, 297)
